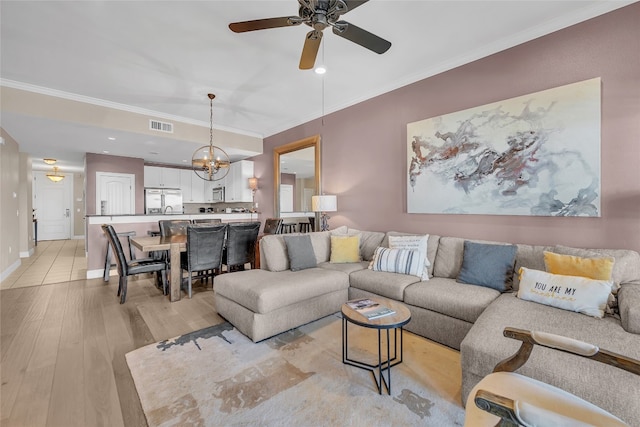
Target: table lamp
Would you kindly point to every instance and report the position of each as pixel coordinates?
(324, 204)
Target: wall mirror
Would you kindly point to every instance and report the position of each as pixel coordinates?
(296, 177)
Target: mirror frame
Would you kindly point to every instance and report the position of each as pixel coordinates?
(312, 141)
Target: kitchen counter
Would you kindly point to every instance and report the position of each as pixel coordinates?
(142, 218)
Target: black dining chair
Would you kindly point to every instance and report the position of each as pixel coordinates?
(131, 268)
(205, 244)
(272, 226)
(240, 247)
(171, 227)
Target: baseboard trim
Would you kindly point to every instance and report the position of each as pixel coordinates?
(13, 267)
(94, 274)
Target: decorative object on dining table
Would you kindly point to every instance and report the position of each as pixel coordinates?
(323, 204)
(209, 162)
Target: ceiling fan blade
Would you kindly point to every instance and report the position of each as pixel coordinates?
(310, 50)
(352, 4)
(362, 37)
(263, 24)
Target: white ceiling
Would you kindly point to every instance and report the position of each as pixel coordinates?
(163, 57)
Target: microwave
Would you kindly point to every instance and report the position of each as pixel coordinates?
(218, 195)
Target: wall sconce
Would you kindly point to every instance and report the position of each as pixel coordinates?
(324, 204)
(253, 184)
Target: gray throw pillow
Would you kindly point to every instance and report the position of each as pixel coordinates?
(300, 252)
(488, 265)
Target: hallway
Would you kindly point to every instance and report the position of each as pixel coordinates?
(54, 261)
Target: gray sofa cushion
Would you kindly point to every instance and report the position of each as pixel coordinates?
(488, 265)
(300, 252)
(528, 256)
(345, 267)
(610, 388)
(629, 306)
(263, 291)
(446, 296)
(450, 254)
(390, 285)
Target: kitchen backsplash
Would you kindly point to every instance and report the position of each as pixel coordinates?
(193, 208)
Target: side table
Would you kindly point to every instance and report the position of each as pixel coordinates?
(394, 322)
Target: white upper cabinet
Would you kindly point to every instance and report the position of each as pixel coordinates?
(155, 176)
(237, 182)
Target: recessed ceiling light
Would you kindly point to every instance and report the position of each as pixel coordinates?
(320, 69)
(105, 151)
(153, 152)
(184, 161)
(111, 138)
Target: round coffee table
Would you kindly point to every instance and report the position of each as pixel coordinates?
(394, 322)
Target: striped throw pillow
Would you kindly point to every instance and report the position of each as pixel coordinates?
(403, 261)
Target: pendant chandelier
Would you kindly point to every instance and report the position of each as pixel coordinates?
(209, 162)
(55, 177)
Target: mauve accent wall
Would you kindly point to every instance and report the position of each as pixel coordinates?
(105, 163)
(364, 146)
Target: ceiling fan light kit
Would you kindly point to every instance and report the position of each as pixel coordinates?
(319, 14)
(209, 162)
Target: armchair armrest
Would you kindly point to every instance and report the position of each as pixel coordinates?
(629, 306)
(567, 345)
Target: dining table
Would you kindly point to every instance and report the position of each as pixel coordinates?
(174, 244)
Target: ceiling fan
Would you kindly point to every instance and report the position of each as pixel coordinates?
(319, 14)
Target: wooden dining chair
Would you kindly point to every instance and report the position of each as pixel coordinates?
(203, 258)
(506, 398)
(131, 268)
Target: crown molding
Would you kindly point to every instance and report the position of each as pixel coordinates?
(116, 106)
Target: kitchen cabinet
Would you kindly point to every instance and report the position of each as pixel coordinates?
(192, 187)
(155, 176)
(237, 182)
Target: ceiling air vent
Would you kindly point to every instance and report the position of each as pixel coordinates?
(160, 126)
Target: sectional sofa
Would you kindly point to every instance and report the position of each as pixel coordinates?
(470, 318)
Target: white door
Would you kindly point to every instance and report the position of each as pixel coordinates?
(53, 206)
(115, 193)
(286, 198)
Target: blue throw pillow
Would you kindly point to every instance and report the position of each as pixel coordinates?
(300, 252)
(488, 265)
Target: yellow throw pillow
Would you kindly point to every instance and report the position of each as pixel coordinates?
(569, 265)
(345, 249)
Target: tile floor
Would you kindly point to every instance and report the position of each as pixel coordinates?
(54, 261)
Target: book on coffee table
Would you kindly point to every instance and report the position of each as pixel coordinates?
(370, 309)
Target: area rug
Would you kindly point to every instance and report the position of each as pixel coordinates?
(218, 377)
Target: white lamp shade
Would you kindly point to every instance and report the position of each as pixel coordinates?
(324, 203)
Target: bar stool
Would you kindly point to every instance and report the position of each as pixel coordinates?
(289, 228)
(107, 260)
(305, 227)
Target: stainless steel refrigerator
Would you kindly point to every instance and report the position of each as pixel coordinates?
(162, 201)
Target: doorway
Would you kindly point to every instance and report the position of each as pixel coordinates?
(53, 204)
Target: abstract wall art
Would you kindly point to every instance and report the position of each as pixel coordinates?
(537, 154)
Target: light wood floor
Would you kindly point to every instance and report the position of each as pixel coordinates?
(63, 344)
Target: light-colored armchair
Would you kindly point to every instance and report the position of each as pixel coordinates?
(505, 398)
